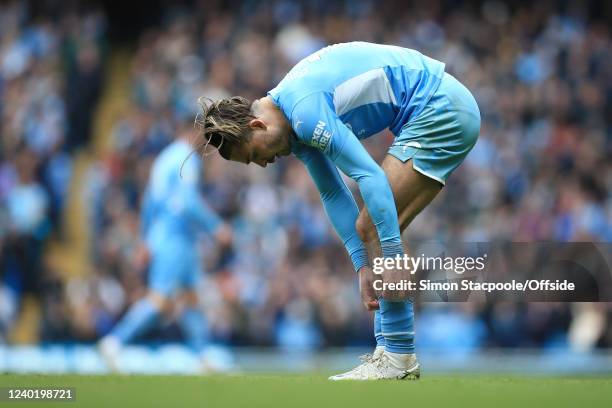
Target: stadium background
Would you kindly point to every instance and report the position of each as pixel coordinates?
(90, 93)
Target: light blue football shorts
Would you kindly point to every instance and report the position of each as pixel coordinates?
(174, 267)
(442, 134)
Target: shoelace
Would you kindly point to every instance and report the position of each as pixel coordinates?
(382, 361)
(366, 358)
(382, 364)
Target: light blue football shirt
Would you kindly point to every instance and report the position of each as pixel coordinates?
(369, 87)
(173, 208)
(343, 93)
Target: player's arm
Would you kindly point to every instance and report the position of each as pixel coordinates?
(321, 128)
(338, 202)
(375, 190)
(197, 210)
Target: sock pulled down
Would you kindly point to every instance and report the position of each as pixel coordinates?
(380, 339)
(397, 326)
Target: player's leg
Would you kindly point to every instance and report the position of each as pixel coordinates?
(141, 316)
(393, 321)
(412, 192)
(145, 313)
(393, 325)
(192, 321)
(425, 153)
(191, 318)
(380, 339)
(195, 329)
(163, 283)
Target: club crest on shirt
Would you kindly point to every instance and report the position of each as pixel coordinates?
(320, 136)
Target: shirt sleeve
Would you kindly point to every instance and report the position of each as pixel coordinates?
(196, 209)
(316, 124)
(204, 216)
(338, 202)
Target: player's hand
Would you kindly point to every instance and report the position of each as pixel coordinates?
(369, 297)
(395, 276)
(224, 235)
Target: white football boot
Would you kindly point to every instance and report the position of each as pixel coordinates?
(394, 366)
(109, 349)
(389, 366)
(358, 371)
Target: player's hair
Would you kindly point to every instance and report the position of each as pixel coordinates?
(223, 124)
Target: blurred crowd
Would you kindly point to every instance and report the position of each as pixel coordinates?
(541, 169)
(50, 76)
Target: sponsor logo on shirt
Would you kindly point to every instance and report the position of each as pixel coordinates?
(320, 136)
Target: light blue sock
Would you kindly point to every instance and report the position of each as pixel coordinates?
(141, 316)
(397, 323)
(194, 328)
(380, 339)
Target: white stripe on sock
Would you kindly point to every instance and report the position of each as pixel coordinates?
(397, 333)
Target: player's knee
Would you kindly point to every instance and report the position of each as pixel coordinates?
(365, 229)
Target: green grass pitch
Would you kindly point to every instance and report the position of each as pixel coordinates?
(314, 391)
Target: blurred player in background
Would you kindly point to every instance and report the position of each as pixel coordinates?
(319, 112)
(173, 215)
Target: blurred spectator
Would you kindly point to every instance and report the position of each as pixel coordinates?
(26, 204)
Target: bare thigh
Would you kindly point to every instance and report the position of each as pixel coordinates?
(412, 192)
